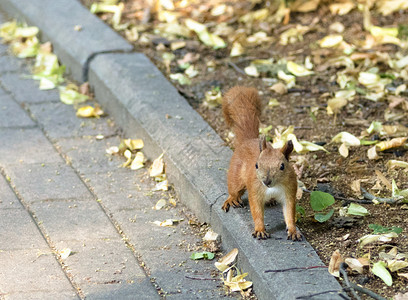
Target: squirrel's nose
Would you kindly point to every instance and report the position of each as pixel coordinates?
(267, 182)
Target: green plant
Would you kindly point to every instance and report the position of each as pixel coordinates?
(319, 202)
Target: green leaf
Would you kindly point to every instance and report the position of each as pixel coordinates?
(320, 200)
(357, 210)
(300, 210)
(378, 229)
(380, 271)
(202, 255)
(322, 217)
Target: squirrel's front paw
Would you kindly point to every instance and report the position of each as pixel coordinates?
(234, 203)
(261, 234)
(294, 235)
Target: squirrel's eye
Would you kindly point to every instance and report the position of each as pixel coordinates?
(282, 166)
(256, 166)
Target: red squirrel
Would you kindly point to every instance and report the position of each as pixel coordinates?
(256, 166)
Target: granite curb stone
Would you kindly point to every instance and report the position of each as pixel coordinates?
(147, 106)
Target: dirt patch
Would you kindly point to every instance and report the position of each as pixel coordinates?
(304, 106)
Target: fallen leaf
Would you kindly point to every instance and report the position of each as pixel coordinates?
(395, 265)
(372, 153)
(279, 88)
(331, 41)
(298, 70)
(357, 210)
(373, 238)
(355, 265)
(347, 138)
(207, 38)
(138, 161)
(160, 204)
(384, 180)
(157, 167)
(334, 264)
(64, 253)
(202, 255)
(380, 271)
(394, 143)
(343, 150)
(89, 112)
(391, 164)
(69, 95)
(167, 223)
(226, 260)
(210, 236)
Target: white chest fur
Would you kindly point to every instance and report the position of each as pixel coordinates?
(277, 193)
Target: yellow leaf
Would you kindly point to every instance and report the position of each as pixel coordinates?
(298, 70)
(157, 166)
(331, 41)
(396, 142)
(160, 204)
(226, 260)
(138, 162)
(341, 8)
(136, 144)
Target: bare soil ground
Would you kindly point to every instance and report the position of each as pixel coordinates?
(304, 107)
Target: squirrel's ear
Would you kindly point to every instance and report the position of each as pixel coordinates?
(287, 149)
(262, 143)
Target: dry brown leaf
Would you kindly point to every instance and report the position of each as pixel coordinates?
(335, 261)
(304, 5)
(356, 187)
(354, 264)
(384, 180)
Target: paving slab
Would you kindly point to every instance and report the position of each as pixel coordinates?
(11, 63)
(59, 121)
(9, 107)
(43, 295)
(106, 266)
(88, 155)
(177, 279)
(31, 271)
(8, 199)
(49, 181)
(26, 145)
(18, 231)
(74, 47)
(25, 90)
(79, 220)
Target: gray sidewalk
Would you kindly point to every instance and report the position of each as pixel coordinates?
(59, 189)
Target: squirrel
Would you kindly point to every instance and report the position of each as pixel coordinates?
(256, 166)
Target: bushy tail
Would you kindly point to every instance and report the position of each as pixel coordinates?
(242, 108)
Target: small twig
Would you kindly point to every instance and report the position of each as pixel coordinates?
(354, 287)
(343, 272)
(238, 69)
(322, 293)
(373, 198)
(199, 278)
(294, 269)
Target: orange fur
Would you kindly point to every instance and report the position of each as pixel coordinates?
(255, 166)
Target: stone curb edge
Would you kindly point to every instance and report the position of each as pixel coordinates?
(145, 105)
